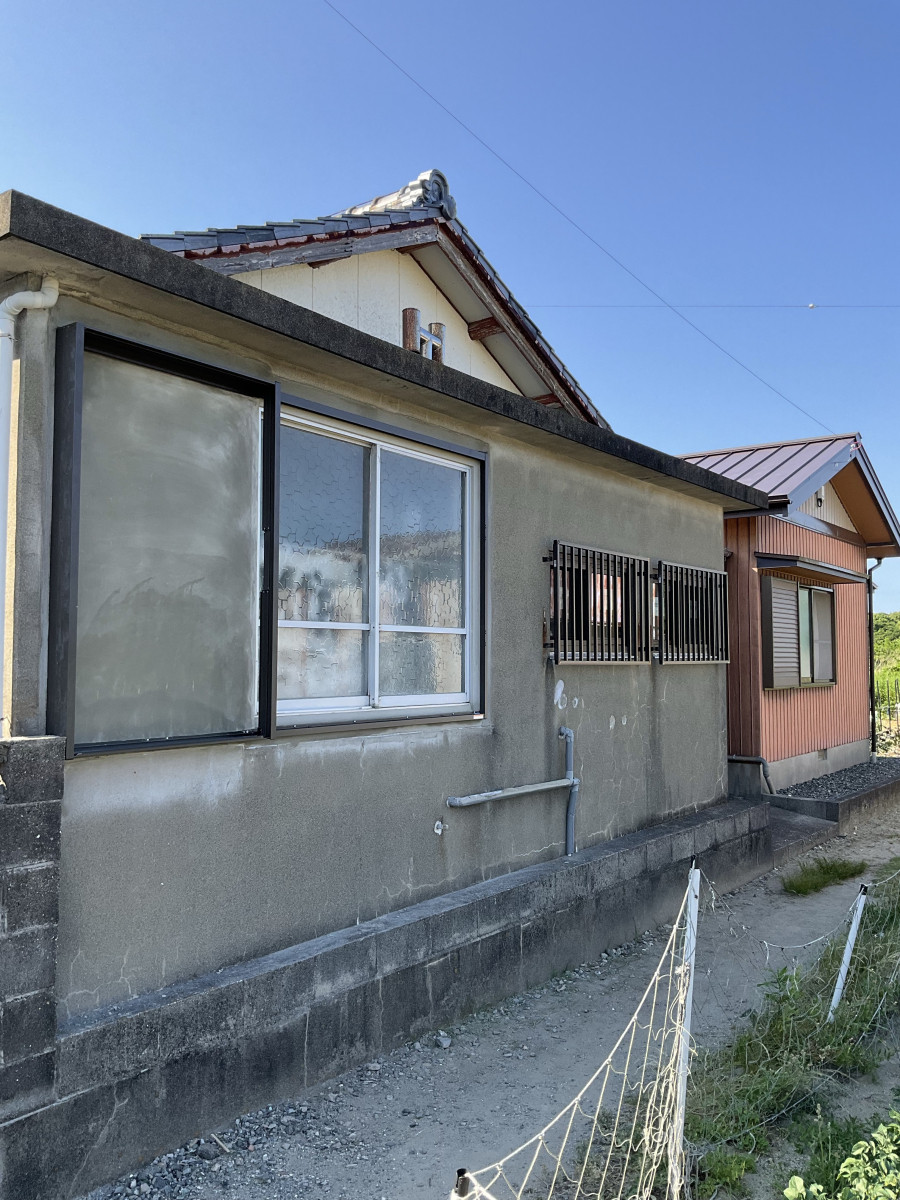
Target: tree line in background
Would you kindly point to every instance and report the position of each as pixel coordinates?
(887, 647)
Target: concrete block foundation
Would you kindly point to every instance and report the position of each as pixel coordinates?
(121, 1085)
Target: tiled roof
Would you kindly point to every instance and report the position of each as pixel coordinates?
(424, 201)
(780, 468)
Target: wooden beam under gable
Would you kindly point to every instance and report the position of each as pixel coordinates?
(507, 325)
(479, 330)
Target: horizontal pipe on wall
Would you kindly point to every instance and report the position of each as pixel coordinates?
(530, 789)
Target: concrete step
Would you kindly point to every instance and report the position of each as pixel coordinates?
(793, 833)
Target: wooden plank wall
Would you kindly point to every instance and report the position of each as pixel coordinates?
(781, 537)
(744, 669)
(780, 724)
(800, 720)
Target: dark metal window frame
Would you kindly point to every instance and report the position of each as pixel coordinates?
(72, 342)
(766, 634)
(692, 614)
(576, 637)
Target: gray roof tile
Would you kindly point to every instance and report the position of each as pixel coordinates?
(426, 198)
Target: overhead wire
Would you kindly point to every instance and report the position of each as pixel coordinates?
(571, 220)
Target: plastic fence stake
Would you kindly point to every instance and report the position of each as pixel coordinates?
(676, 1137)
(848, 952)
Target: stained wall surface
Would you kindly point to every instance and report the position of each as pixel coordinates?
(369, 292)
(176, 862)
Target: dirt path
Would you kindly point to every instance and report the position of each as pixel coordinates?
(400, 1126)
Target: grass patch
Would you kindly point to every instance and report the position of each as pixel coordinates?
(774, 1065)
(723, 1170)
(821, 873)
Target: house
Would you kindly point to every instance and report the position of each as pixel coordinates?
(800, 670)
(357, 673)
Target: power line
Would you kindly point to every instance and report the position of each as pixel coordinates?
(570, 220)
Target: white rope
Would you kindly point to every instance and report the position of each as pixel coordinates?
(594, 1146)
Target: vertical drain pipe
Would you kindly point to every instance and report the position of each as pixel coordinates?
(9, 310)
(574, 784)
(870, 591)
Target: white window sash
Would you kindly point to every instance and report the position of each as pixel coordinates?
(375, 701)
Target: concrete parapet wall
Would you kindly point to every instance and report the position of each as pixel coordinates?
(143, 1076)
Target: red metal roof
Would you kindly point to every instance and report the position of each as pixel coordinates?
(780, 468)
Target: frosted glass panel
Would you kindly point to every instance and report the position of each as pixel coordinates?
(320, 663)
(421, 664)
(422, 575)
(323, 562)
(168, 566)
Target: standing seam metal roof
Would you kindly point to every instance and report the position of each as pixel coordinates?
(778, 468)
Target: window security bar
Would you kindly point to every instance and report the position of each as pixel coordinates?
(600, 605)
(693, 614)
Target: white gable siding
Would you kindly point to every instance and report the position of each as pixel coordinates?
(831, 509)
(369, 292)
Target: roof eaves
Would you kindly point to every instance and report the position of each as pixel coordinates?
(43, 227)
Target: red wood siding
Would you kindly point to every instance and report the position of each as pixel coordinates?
(799, 720)
(780, 724)
(744, 669)
(781, 537)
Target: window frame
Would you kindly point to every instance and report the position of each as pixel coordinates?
(378, 436)
(73, 341)
(767, 633)
(811, 589)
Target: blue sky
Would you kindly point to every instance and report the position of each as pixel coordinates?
(729, 154)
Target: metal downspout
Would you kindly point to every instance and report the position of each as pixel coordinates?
(870, 590)
(574, 785)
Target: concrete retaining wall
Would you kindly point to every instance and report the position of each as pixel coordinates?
(846, 811)
(143, 1076)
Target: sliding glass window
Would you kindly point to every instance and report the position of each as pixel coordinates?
(376, 574)
(218, 571)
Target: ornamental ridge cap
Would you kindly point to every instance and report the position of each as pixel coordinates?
(428, 190)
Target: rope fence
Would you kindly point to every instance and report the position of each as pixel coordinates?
(734, 1032)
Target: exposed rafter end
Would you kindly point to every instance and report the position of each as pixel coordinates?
(479, 330)
(548, 400)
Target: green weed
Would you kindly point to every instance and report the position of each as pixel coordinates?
(821, 873)
(774, 1065)
(827, 1142)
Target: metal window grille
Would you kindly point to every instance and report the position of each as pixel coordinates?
(600, 606)
(693, 614)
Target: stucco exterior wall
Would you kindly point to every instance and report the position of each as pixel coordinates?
(370, 292)
(177, 862)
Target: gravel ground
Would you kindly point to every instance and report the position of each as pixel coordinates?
(850, 780)
(399, 1126)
